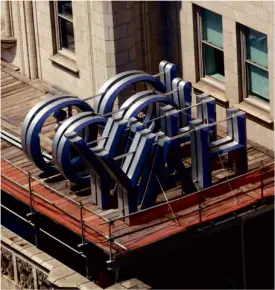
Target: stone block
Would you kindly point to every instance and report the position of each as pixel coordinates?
(116, 287)
(118, 6)
(122, 57)
(229, 25)
(89, 286)
(110, 46)
(78, 9)
(126, 43)
(110, 72)
(97, 6)
(108, 20)
(270, 17)
(97, 18)
(130, 283)
(100, 69)
(100, 81)
(100, 57)
(100, 32)
(30, 251)
(98, 43)
(257, 3)
(231, 65)
(41, 258)
(262, 14)
(120, 32)
(71, 281)
(131, 28)
(22, 244)
(7, 234)
(51, 264)
(106, 7)
(82, 49)
(59, 272)
(110, 59)
(268, 5)
(123, 17)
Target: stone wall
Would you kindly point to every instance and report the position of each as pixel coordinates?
(114, 36)
(258, 15)
(23, 266)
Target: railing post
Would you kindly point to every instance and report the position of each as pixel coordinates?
(82, 223)
(30, 192)
(32, 213)
(262, 181)
(200, 207)
(83, 242)
(110, 223)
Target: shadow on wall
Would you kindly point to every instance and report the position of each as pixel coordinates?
(146, 33)
(8, 45)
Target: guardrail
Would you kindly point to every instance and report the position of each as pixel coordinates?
(112, 238)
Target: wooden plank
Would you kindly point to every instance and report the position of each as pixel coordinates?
(29, 94)
(20, 90)
(8, 80)
(9, 65)
(11, 87)
(25, 80)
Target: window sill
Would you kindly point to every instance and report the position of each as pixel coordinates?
(256, 114)
(257, 103)
(65, 63)
(213, 83)
(203, 86)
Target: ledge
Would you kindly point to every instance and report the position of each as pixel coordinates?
(58, 274)
(219, 95)
(256, 114)
(65, 63)
(8, 42)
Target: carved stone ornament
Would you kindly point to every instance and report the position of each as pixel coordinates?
(7, 263)
(42, 282)
(25, 274)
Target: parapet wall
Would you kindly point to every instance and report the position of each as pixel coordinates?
(23, 266)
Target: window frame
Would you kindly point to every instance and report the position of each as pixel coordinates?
(243, 62)
(199, 42)
(57, 37)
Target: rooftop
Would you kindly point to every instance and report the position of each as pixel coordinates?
(72, 207)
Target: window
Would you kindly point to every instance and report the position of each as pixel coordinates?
(210, 45)
(253, 64)
(64, 27)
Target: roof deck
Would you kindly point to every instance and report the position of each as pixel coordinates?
(71, 206)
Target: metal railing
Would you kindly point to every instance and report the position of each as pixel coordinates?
(33, 194)
(111, 239)
(199, 209)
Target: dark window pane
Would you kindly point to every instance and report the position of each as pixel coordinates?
(212, 27)
(213, 62)
(256, 43)
(65, 8)
(258, 84)
(67, 34)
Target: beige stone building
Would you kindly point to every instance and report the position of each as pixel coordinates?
(225, 48)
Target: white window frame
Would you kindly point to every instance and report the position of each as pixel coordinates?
(200, 41)
(59, 49)
(243, 60)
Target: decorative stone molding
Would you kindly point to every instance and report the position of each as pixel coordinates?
(7, 42)
(7, 263)
(25, 274)
(24, 266)
(29, 268)
(42, 282)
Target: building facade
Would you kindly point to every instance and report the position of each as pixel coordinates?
(225, 48)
